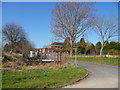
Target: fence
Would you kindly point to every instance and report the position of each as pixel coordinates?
(57, 57)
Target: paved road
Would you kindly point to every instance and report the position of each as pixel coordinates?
(101, 76)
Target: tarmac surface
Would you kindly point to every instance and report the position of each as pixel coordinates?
(100, 76)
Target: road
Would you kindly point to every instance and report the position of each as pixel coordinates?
(101, 76)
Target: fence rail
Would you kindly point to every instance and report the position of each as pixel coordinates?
(52, 57)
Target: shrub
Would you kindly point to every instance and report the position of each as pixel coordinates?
(114, 52)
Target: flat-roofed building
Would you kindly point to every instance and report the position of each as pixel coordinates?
(54, 47)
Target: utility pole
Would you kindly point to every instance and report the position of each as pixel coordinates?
(75, 55)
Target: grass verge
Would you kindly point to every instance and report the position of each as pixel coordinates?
(100, 60)
(42, 78)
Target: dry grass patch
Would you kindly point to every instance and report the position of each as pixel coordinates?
(13, 55)
(47, 66)
(13, 66)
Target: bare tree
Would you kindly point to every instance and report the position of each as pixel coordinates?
(71, 20)
(106, 29)
(15, 37)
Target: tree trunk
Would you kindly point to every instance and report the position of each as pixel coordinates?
(11, 51)
(85, 51)
(101, 51)
(71, 48)
(71, 51)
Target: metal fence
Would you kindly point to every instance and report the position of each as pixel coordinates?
(51, 57)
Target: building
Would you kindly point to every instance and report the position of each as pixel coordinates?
(54, 47)
(33, 53)
(43, 50)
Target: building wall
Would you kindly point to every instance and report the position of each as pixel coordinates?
(51, 48)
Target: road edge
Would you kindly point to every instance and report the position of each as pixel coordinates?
(76, 81)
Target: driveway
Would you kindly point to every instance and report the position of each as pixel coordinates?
(101, 76)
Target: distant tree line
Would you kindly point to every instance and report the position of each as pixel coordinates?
(87, 48)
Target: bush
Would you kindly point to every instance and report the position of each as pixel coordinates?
(114, 52)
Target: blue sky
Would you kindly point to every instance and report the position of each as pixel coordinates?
(35, 18)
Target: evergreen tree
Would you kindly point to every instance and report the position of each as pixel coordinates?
(114, 48)
(92, 49)
(114, 45)
(98, 47)
(66, 45)
(81, 46)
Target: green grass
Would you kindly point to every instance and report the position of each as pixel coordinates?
(43, 78)
(101, 60)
